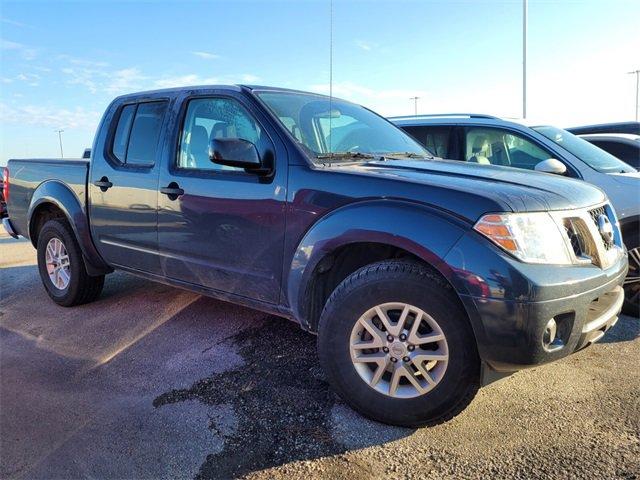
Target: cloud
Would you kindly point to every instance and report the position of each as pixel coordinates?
(125, 80)
(206, 55)
(83, 76)
(15, 23)
(195, 79)
(27, 53)
(393, 101)
(83, 62)
(352, 90)
(366, 46)
(44, 116)
(30, 79)
(182, 80)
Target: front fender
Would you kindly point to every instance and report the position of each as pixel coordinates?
(423, 231)
(59, 195)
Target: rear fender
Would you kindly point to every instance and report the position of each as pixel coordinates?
(55, 193)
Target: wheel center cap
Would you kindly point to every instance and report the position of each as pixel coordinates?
(398, 349)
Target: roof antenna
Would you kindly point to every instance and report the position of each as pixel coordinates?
(330, 74)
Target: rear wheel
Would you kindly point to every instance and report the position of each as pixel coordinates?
(632, 282)
(61, 266)
(397, 346)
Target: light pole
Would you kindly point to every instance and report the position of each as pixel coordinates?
(60, 140)
(415, 105)
(524, 58)
(637, 74)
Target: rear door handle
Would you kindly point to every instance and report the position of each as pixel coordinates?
(172, 191)
(104, 184)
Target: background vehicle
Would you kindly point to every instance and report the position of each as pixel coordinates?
(3, 205)
(624, 146)
(632, 128)
(423, 278)
(485, 139)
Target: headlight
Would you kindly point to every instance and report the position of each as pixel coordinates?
(530, 237)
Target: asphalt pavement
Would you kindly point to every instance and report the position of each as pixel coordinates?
(155, 382)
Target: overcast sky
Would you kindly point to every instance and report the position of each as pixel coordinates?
(62, 62)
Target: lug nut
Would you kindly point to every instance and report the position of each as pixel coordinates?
(385, 349)
(406, 359)
(394, 359)
(390, 338)
(403, 337)
(411, 348)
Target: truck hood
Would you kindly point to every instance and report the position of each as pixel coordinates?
(504, 188)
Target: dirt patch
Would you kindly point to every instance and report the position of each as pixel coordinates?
(281, 400)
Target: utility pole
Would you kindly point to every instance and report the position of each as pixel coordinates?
(415, 105)
(637, 74)
(60, 140)
(524, 58)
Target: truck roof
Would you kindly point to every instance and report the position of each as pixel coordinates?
(235, 88)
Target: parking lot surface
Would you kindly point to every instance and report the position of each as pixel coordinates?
(155, 382)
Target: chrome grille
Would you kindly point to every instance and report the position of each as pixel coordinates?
(577, 243)
(595, 213)
(586, 241)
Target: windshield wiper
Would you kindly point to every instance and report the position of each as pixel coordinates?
(406, 155)
(345, 156)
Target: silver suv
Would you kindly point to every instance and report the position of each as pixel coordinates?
(489, 140)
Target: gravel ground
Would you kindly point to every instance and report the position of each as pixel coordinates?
(154, 382)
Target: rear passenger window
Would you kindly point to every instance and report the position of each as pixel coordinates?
(121, 137)
(435, 139)
(138, 133)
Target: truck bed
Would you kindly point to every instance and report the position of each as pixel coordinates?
(26, 175)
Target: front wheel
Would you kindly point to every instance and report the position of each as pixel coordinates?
(61, 266)
(632, 281)
(396, 345)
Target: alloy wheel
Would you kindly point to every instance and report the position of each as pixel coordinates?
(57, 261)
(399, 350)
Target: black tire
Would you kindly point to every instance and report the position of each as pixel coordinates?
(631, 304)
(82, 288)
(415, 284)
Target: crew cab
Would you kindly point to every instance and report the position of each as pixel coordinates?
(423, 278)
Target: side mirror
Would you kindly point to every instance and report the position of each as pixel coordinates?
(551, 165)
(234, 152)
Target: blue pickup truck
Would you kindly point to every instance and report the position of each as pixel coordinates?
(423, 278)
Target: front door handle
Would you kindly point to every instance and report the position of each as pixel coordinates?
(172, 191)
(104, 184)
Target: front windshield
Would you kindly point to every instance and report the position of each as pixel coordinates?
(336, 130)
(585, 151)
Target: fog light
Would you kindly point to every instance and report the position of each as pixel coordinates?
(549, 333)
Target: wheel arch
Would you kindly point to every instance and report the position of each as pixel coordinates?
(360, 234)
(53, 199)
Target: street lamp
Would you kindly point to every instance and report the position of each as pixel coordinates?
(637, 74)
(60, 140)
(415, 105)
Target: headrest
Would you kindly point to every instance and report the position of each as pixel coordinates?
(479, 143)
(199, 138)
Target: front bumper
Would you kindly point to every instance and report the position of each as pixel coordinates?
(6, 223)
(512, 334)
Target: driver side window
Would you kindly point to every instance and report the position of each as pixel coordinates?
(209, 118)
